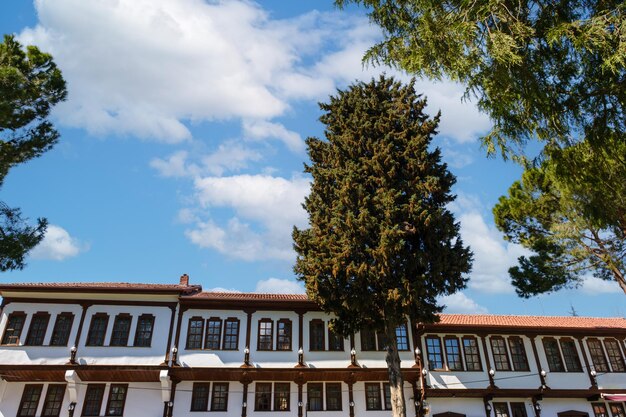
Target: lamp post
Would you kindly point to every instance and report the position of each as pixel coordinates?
(73, 351)
(353, 358)
(492, 374)
(542, 377)
(70, 409)
(246, 356)
(300, 357)
(174, 355)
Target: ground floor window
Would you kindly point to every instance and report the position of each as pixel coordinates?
(317, 392)
(218, 393)
(373, 398)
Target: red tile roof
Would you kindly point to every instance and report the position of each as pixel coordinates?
(487, 320)
(242, 296)
(99, 287)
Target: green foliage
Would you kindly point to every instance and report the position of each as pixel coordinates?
(571, 212)
(30, 85)
(548, 70)
(381, 244)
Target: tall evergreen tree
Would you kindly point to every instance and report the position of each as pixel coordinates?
(30, 85)
(382, 245)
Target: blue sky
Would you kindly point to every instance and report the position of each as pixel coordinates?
(182, 147)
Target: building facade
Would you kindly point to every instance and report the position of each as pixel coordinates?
(117, 349)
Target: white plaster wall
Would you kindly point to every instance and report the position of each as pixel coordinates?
(126, 355)
(325, 358)
(609, 380)
(563, 380)
(38, 355)
(274, 358)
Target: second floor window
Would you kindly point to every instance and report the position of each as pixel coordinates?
(500, 354)
(266, 334)
(231, 334)
(30, 400)
(597, 355)
(335, 341)
(316, 335)
(614, 353)
(518, 354)
(453, 354)
(61, 330)
(13, 329)
(553, 355)
(121, 329)
(472, 354)
(435, 355)
(570, 355)
(283, 334)
(37, 329)
(143, 334)
(213, 333)
(194, 333)
(97, 330)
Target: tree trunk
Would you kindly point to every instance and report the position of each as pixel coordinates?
(396, 382)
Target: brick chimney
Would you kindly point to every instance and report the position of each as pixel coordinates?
(184, 280)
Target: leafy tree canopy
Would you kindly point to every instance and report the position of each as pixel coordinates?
(548, 70)
(30, 85)
(381, 244)
(559, 210)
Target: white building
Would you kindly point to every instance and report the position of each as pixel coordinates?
(116, 349)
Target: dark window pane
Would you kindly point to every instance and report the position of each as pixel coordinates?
(433, 348)
(314, 396)
(231, 334)
(93, 400)
(30, 401)
(121, 329)
(266, 336)
(37, 329)
(472, 355)
(283, 335)
(263, 396)
(614, 353)
(194, 333)
(599, 410)
(518, 354)
(281, 396)
(200, 397)
(501, 409)
(500, 355)
(145, 328)
(335, 341)
(13, 329)
(97, 330)
(518, 410)
(117, 399)
(381, 339)
(368, 339)
(219, 397)
(617, 410)
(333, 396)
(387, 394)
(213, 334)
(53, 401)
(402, 338)
(372, 397)
(316, 335)
(553, 355)
(597, 355)
(453, 354)
(570, 354)
(62, 328)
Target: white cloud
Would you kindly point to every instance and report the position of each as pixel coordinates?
(57, 245)
(261, 129)
(279, 286)
(595, 286)
(459, 303)
(265, 210)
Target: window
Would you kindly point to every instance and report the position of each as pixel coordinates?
(93, 400)
(213, 333)
(335, 341)
(194, 333)
(570, 354)
(263, 396)
(266, 334)
(97, 330)
(121, 329)
(333, 396)
(61, 331)
(553, 355)
(501, 409)
(372, 397)
(472, 355)
(518, 354)
(387, 395)
(314, 396)
(231, 334)
(316, 335)
(614, 353)
(143, 334)
(13, 330)
(281, 396)
(599, 410)
(219, 396)
(402, 339)
(200, 396)
(617, 410)
(37, 329)
(283, 334)
(518, 410)
(500, 354)
(435, 356)
(381, 339)
(453, 354)
(117, 399)
(368, 339)
(53, 400)
(30, 400)
(597, 355)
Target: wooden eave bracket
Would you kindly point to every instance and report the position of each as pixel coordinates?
(166, 385)
(72, 378)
